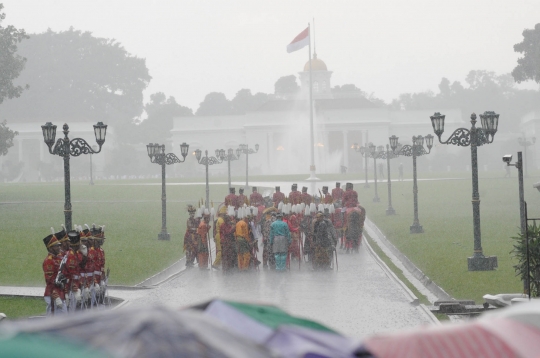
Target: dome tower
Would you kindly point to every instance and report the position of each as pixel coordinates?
(320, 77)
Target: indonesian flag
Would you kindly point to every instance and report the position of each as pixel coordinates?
(300, 41)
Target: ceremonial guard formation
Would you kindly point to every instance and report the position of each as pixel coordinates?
(74, 270)
(295, 228)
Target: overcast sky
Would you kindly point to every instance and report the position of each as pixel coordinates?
(193, 47)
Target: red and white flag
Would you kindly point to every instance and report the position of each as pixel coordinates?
(300, 41)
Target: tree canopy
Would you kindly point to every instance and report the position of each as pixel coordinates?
(6, 137)
(215, 104)
(11, 63)
(244, 101)
(78, 77)
(528, 67)
(484, 91)
(286, 85)
(160, 113)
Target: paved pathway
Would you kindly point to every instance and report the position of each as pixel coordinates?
(361, 298)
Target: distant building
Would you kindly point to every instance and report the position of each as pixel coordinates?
(282, 130)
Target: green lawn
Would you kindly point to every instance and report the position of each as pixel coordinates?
(17, 307)
(445, 212)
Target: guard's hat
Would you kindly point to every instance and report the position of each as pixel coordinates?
(254, 189)
(241, 190)
(349, 185)
(191, 209)
(294, 186)
(231, 190)
(50, 240)
(277, 188)
(325, 188)
(304, 189)
(338, 184)
(74, 237)
(96, 232)
(61, 236)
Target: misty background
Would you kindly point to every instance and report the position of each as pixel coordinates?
(137, 65)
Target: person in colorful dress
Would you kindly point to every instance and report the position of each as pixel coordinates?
(280, 240)
(190, 237)
(229, 257)
(243, 244)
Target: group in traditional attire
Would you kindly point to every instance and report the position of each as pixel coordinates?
(190, 237)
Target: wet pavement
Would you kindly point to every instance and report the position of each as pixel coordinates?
(359, 299)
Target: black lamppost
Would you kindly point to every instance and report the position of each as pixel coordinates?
(206, 161)
(66, 148)
(220, 153)
(525, 142)
(416, 150)
(91, 167)
(364, 151)
(388, 154)
(473, 137)
(157, 155)
(244, 149)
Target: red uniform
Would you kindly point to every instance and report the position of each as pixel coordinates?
(294, 228)
(256, 199)
(91, 266)
(337, 194)
(232, 200)
(73, 270)
(51, 265)
(328, 199)
(277, 198)
(242, 199)
(295, 197)
(305, 198)
(99, 265)
(350, 199)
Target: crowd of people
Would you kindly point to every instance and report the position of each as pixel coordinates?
(298, 227)
(74, 270)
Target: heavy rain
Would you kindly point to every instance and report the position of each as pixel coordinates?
(295, 178)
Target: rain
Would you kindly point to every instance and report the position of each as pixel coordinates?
(316, 178)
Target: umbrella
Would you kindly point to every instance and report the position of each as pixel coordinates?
(289, 335)
(269, 210)
(493, 337)
(154, 331)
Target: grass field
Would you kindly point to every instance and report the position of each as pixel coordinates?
(18, 307)
(132, 215)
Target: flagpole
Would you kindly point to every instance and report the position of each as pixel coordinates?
(312, 166)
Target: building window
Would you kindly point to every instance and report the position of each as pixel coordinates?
(316, 86)
(323, 86)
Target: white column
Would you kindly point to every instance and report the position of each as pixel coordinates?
(345, 149)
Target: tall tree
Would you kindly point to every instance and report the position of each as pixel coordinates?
(6, 138)
(286, 85)
(160, 111)
(11, 64)
(528, 67)
(244, 101)
(75, 76)
(215, 104)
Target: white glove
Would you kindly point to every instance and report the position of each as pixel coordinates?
(58, 302)
(83, 250)
(77, 295)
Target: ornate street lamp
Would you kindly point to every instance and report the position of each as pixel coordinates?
(229, 157)
(66, 148)
(364, 151)
(473, 137)
(388, 154)
(206, 161)
(157, 155)
(525, 142)
(416, 150)
(244, 149)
